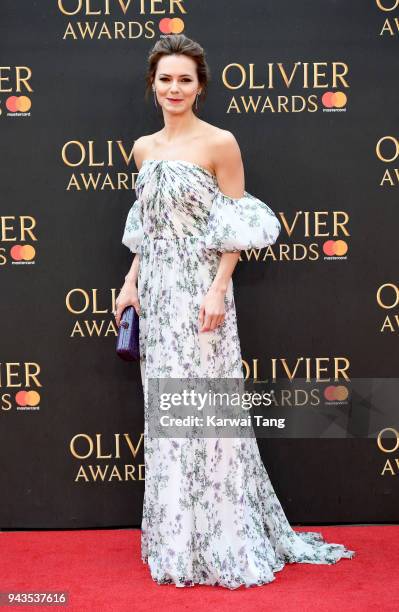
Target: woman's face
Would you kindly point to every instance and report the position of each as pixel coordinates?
(176, 79)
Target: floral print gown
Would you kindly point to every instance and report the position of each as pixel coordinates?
(210, 513)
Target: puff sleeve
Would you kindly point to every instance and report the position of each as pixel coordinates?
(235, 224)
(133, 232)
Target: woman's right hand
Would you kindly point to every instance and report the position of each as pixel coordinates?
(128, 296)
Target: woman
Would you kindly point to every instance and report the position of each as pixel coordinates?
(210, 513)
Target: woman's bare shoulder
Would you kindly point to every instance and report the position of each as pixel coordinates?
(222, 143)
(141, 147)
(213, 131)
(219, 142)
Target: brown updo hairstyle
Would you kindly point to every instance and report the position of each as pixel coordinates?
(173, 44)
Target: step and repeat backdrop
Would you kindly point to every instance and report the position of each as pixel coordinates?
(309, 89)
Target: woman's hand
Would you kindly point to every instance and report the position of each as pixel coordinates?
(128, 296)
(212, 310)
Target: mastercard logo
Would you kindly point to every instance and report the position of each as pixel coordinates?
(335, 247)
(169, 25)
(334, 99)
(24, 252)
(18, 104)
(27, 398)
(338, 393)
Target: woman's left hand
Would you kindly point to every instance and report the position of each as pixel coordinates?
(212, 310)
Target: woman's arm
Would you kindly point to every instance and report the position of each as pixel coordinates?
(228, 262)
(133, 273)
(128, 295)
(230, 177)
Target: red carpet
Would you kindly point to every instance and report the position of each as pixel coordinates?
(102, 570)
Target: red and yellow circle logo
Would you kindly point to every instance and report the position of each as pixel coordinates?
(27, 398)
(24, 252)
(337, 393)
(335, 247)
(171, 25)
(334, 99)
(18, 104)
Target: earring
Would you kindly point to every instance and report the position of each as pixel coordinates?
(155, 98)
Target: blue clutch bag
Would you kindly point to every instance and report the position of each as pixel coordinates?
(127, 342)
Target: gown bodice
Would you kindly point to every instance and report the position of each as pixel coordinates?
(177, 199)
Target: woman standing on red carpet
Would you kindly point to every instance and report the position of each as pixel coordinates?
(210, 513)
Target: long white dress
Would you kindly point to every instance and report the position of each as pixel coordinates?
(210, 513)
